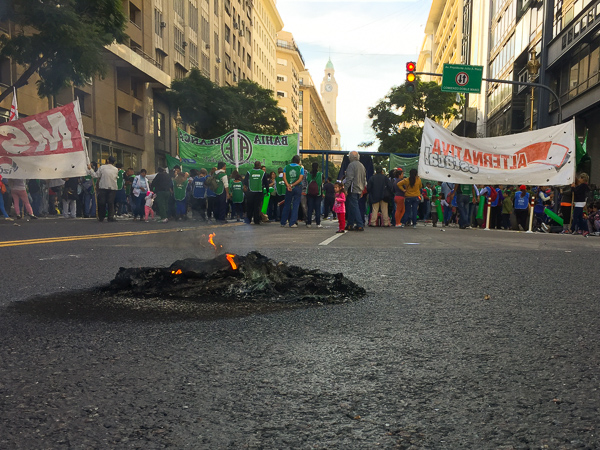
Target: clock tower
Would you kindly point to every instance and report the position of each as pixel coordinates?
(329, 93)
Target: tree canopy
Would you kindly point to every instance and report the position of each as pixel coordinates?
(61, 40)
(213, 111)
(398, 117)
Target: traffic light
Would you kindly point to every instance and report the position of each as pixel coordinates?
(411, 78)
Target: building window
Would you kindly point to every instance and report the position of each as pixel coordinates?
(137, 124)
(217, 8)
(159, 56)
(205, 65)
(180, 71)
(85, 101)
(249, 61)
(193, 55)
(124, 118)
(5, 72)
(179, 39)
(227, 62)
(193, 19)
(158, 23)
(135, 15)
(160, 126)
(216, 44)
(217, 81)
(227, 34)
(178, 7)
(205, 31)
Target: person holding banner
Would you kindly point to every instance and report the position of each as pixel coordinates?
(107, 189)
(293, 174)
(522, 206)
(19, 193)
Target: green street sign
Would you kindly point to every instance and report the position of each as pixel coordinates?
(462, 78)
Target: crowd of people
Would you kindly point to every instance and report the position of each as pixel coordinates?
(294, 194)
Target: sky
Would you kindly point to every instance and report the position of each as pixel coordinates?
(369, 43)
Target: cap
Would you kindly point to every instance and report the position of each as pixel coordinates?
(522, 187)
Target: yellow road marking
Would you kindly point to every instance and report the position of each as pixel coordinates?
(50, 240)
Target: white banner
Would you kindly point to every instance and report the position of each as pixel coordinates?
(537, 158)
(44, 146)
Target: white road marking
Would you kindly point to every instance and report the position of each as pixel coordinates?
(331, 239)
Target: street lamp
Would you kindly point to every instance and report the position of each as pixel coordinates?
(533, 67)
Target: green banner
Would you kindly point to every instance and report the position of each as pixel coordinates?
(405, 163)
(271, 151)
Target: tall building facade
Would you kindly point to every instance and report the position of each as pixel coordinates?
(317, 130)
(290, 64)
(124, 114)
(266, 24)
(329, 93)
(572, 65)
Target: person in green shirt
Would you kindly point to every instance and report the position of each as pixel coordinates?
(464, 197)
(236, 190)
(180, 184)
(255, 181)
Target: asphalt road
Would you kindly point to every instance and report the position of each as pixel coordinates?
(466, 339)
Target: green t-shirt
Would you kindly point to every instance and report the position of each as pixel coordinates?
(179, 190)
(221, 187)
(120, 180)
(237, 191)
(293, 172)
(281, 189)
(318, 178)
(255, 180)
(466, 189)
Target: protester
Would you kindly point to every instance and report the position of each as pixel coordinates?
(140, 187)
(328, 199)
(107, 189)
(273, 197)
(293, 174)
(521, 206)
(237, 198)
(465, 193)
(255, 182)
(314, 195)
(507, 209)
(412, 189)
(399, 198)
(222, 193)
(580, 192)
(281, 189)
(378, 188)
(162, 186)
(35, 191)
(89, 191)
(19, 193)
(69, 199)
(354, 183)
(339, 206)
(2, 192)
(180, 184)
(211, 200)
(120, 197)
(199, 194)
(448, 192)
(148, 202)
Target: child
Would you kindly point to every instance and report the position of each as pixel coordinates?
(434, 212)
(339, 207)
(445, 210)
(237, 197)
(507, 209)
(150, 196)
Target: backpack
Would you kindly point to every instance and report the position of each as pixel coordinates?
(2, 188)
(211, 183)
(313, 188)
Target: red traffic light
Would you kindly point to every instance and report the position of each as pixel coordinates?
(411, 66)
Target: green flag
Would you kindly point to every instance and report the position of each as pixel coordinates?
(406, 163)
(271, 151)
(581, 149)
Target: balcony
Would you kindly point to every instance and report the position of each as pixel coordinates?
(135, 56)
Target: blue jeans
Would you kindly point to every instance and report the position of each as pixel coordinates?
(89, 204)
(313, 205)
(291, 205)
(463, 210)
(138, 209)
(36, 203)
(412, 208)
(579, 223)
(353, 214)
(2, 210)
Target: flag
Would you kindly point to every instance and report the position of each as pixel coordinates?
(581, 148)
(14, 110)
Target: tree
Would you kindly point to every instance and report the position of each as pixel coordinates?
(397, 119)
(213, 111)
(60, 40)
(332, 169)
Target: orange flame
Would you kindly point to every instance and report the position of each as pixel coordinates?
(210, 239)
(177, 272)
(231, 261)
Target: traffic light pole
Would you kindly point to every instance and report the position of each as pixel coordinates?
(520, 83)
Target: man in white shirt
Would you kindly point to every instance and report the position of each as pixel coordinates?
(107, 189)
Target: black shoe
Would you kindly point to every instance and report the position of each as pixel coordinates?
(359, 229)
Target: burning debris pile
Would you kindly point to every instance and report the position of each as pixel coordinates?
(230, 278)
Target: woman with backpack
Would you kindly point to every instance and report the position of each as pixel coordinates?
(314, 184)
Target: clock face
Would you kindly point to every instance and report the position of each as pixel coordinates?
(329, 87)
